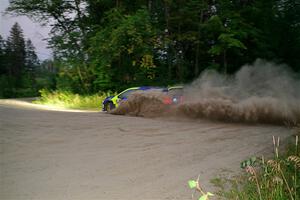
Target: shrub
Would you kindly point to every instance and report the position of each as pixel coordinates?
(68, 99)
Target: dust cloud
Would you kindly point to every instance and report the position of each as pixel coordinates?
(144, 103)
(260, 93)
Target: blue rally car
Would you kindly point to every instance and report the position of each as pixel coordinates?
(112, 102)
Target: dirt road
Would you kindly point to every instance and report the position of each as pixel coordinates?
(76, 155)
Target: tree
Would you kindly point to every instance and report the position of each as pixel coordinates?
(31, 63)
(4, 86)
(123, 50)
(31, 60)
(287, 32)
(16, 54)
(188, 38)
(69, 33)
(113, 44)
(18, 65)
(2, 56)
(225, 41)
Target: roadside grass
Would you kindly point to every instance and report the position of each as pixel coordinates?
(276, 178)
(65, 99)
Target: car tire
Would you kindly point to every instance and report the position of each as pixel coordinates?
(109, 106)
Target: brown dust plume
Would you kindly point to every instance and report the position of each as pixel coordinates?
(260, 93)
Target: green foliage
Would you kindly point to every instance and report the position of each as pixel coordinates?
(249, 162)
(8, 91)
(110, 45)
(277, 178)
(21, 74)
(226, 41)
(123, 49)
(16, 53)
(68, 99)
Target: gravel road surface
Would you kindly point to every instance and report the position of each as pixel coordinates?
(47, 154)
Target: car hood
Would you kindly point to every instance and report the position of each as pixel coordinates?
(107, 99)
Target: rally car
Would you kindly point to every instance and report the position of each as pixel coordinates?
(112, 102)
(174, 95)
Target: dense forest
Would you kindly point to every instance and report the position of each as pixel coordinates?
(101, 45)
(21, 72)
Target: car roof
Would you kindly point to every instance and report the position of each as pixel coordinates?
(175, 87)
(143, 88)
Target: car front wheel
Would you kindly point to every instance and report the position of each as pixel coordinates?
(109, 106)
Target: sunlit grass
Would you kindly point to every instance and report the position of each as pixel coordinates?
(65, 99)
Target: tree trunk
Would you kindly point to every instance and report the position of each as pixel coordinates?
(81, 77)
(225, 62)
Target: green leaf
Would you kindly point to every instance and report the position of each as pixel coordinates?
(204, 197)
(243, 164)
(192, 184)
(216, 50)
(248, 162)
(253, 159)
